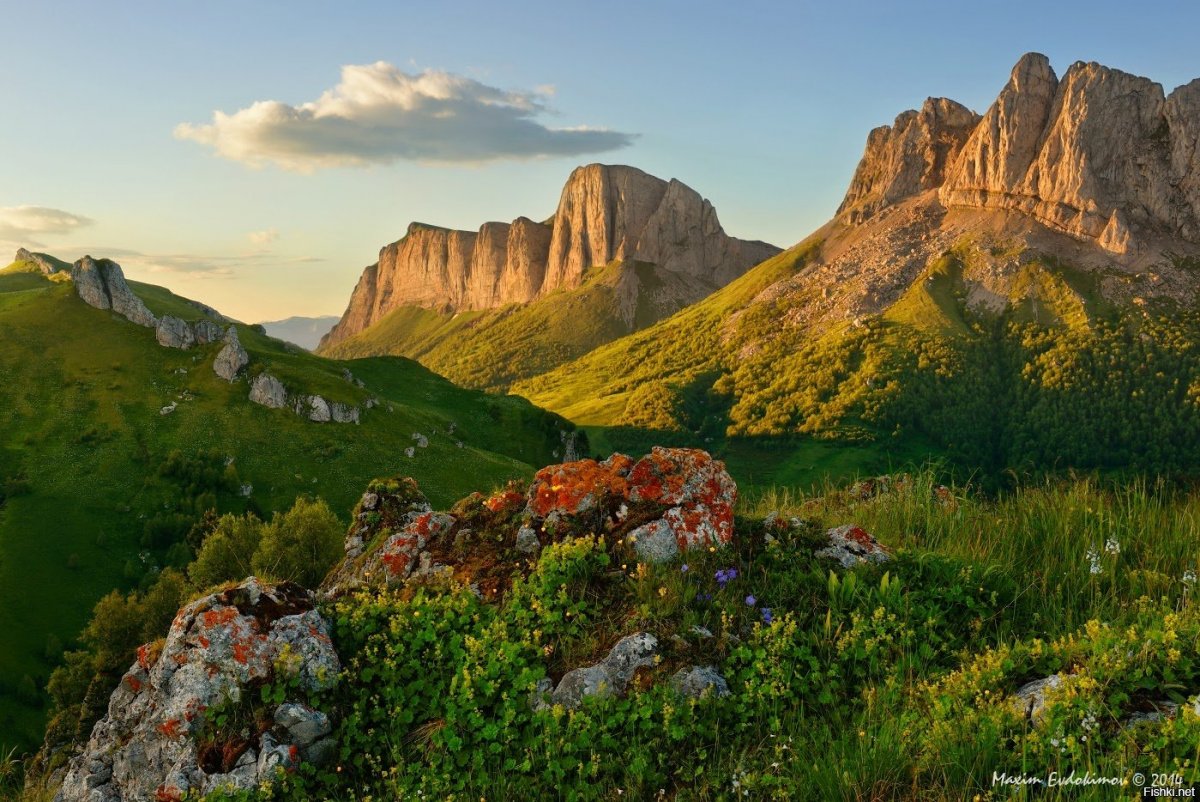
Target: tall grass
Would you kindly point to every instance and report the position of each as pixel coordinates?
(1080, 548)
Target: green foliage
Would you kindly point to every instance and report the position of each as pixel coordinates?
(301, 544)
(227, 552)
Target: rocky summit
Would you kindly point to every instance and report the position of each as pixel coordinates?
(605, 214)
(101, 283)
(1098, 154)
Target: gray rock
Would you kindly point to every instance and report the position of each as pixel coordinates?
(655, 542)
(343, 413)
(268, 391)
(206, 331)
(422, 440)
(1030, 699)
(852, 545)
(527, 541)
(232, 358)
(47, 264)
(218, 648)
(302, 725)
(175, 333)
(101, 283)
(313, 407)
(168, 409)
(698, 681)
(610, 676)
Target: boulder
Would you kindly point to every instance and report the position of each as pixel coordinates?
(206, 331)
(218, 651)
(343, 413)
(313, 407)
(101, 283)
(1030, 699)
(231, 358)
(173, 332)
(268, 391)
(852, 545)
(609, 677)
(699, 681)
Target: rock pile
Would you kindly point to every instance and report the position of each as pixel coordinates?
(219, 650)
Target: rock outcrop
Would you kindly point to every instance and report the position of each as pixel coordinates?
(908, 157)
(231, 358)
(605, 213)
(44, 262)
(269, 391)
(1099, 154)
(174, 333)
(101, 283)
(609, 677)
(218, 651)
(667, 502)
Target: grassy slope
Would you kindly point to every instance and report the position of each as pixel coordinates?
(492, 349)
(80, 392)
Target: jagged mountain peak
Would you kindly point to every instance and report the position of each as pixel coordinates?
(605, 213)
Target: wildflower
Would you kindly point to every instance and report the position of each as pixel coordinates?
(751, 601)
(662, 592)
(1112, 546)
(1189, 578)
(683, 569)
(725, 575)
(1093, 557)
(766, 615)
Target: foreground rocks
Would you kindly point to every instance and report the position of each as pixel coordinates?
(219, 650)
(669, 501)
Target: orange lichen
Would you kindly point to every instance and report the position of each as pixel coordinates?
(171, 728)
(213, 618)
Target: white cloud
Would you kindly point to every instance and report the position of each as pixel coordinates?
(191, 264)
(263, 238)
(379, 114)
(25, 223)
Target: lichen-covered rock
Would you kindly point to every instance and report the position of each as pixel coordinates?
(268, 391)
(174, 333)
(343, 413)
(685, 496)
(231, 358)
(217, 650)
(387, 506)
(851, 545)
(699, 681)
(101, 283)
(610, 676)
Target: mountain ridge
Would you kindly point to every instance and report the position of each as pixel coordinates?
(606, 213)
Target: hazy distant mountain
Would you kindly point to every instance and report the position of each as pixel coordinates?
(305, 332)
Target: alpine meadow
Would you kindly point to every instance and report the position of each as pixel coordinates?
(616, 499)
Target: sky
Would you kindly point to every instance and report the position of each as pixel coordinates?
(257, 155)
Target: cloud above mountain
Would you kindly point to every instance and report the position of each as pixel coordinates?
(379, 114)
(26, 224)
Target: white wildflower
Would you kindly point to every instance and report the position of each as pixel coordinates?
(1094, 560)
(1112, 546)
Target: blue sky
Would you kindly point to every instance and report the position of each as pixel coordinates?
(762, 107)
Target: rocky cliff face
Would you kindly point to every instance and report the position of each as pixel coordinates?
(605, 213)
(1099, 154)
(101, 283)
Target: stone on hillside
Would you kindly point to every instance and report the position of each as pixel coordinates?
(692, 494)
(698, 681)
(175, 333)
(610, 676)
(343, 413)
(1030, 699)
(101, 283)
(422, 440)
(268, 391)
(44, 263)
(168, 409)
(231, 358)
(852, 545)
(220, 649)
(206, 331)
(313, 407)
(388, 506)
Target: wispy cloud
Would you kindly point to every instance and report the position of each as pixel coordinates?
(27, 224)
(263, 238)
(189, 264)
(379, 114)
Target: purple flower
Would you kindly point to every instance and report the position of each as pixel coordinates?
(704, 596)
(766, 615)
(751, 601)
(683, 569)
(725, 575)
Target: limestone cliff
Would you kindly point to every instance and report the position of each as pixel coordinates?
(1099, 154)
(605, 213)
